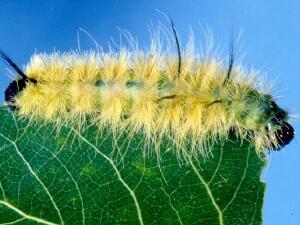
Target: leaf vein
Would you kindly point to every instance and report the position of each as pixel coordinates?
(238, 187)
(172, 206)
(13, 222)
(131, 192)
(74, 181)
(29, 217)
(209, 192)
(34, 175)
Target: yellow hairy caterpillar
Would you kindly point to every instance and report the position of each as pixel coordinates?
(186, 98)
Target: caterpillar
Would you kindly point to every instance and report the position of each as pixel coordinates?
(185, 98)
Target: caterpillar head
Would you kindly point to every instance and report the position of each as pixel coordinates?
(284, 132)
(268, 121)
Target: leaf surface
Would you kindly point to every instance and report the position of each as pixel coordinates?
(77, 177)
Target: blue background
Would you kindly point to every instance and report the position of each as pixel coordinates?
(270, 42)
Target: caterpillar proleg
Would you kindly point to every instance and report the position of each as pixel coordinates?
(146, 92)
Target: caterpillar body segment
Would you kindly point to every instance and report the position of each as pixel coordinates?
(144, 93)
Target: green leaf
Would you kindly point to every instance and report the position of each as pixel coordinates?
(71, 177)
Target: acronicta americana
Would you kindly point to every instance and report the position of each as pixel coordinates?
(188, 98)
